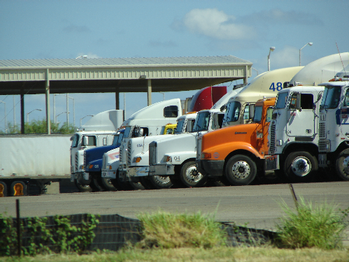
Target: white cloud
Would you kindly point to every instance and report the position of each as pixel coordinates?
(216, 24)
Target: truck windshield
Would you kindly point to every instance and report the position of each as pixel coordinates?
(74, 140)
(202, 121)
(258, 114)
(233, 112)
(331, 97)
(180, 124)
(127, 131)
(115, 140)
(281, 100)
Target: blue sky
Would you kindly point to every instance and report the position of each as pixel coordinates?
(246, 29)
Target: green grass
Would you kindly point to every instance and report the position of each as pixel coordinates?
(309, 226)
(165, 230)
(216, 254)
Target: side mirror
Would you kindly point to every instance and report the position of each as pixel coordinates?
(251, 111)
(85, 140)
(189, 127)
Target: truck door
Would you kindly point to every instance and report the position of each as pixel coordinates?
(301, 121)
(344, 115)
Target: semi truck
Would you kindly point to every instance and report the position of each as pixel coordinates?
(32, 160)
(176, 156)
(333, 126)
(149, 121)
(235, 154)
(294, 131)
(134, 163)
(98, 131)
(137, 149)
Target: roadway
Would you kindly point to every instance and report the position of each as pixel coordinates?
(256, 206)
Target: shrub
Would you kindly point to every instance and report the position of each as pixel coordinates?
(167, 230)
(311, 226)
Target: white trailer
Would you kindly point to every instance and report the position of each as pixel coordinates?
(32, 159)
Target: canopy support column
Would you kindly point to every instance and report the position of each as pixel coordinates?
(149, 92)
(47, 98)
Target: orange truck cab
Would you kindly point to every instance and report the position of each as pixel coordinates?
(236, 153)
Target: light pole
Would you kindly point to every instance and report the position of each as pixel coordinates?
(37, 109)
(5, 114)
(73, 108)
(271, 49)
(83, 118)
(58, 116)
(300, 50)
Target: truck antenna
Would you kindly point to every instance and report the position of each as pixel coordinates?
(340, 57)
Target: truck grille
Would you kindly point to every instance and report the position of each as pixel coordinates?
(76, 161)
(152, 153)
(105, 161)
(272, 138)
(322, 145)
(128, 153)
(322, 130)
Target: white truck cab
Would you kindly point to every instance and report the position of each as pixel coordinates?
(149, 121)
(98, 131)
(334, 126)
(267, 84)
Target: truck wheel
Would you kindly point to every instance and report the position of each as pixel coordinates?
(190, 176)
(160, 181)
(120, 185)
(342, 165)
(95, 186)
(240, 170)
(106, 184)
(18, 188)
(300, 166)
(81, 187)
(136, 185)
(3, 189)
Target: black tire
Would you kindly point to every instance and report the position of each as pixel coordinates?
(240, 170)
(82, 187)
(3, 189)
(160, 181)
(95, 182)
(300, 166)
(137, 185)
(106, 183)
(342, 165)
(18, 188)
(189, 175)
(120, 185)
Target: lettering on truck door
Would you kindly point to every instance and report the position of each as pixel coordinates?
(301, 122)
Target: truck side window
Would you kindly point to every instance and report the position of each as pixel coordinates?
(171, 111)
(91, 141)
(246, 112)
(307, 101)
(293, 102)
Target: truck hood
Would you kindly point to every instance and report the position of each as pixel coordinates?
(229, 134)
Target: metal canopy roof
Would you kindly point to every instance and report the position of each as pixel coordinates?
(94, 75)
